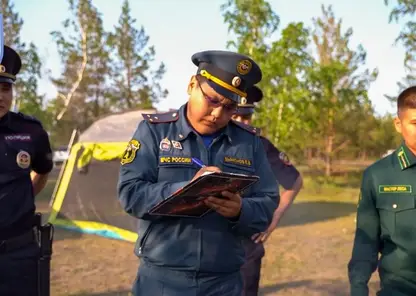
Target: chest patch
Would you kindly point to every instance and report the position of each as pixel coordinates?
(238, 161)
(23, 159)
(18, 137)
(395, 188)
(175, 159)
(165, 144)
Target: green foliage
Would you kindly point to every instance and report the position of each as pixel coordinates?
(315, 103)
(286, 95)
(405, 10)
(252, 22)
(103, 72)
(135, 82)
(283, 62)
(26, 97)
(339, 84)
(315, 85)
(82, 47)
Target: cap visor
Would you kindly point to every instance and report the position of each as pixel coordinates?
(6, 80)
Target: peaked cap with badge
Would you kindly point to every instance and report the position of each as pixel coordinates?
(229, 74)
(10, 65)
(254, 95)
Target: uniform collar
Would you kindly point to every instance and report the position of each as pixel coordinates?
(405, 157)
(186, 129)
(5, 120)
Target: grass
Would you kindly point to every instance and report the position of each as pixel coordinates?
(306, 255)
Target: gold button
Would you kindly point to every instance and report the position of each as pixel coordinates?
(394, 206)
(156, 118)
(180, 136)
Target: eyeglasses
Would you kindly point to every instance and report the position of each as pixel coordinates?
(215, 103)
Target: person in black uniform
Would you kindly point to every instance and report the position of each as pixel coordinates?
(286, 175)
(25, 161)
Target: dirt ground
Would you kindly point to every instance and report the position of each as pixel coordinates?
(306, 255)
(303, 257)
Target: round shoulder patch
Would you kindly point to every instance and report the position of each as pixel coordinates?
(284, 158)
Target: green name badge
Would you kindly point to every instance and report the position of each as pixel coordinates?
(395, 188)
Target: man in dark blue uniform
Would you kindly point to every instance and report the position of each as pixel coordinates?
(287, 176)
(198, 256)
(24, 147)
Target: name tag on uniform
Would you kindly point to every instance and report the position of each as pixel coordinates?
(18, 137)
(175, 160)
(395, 188)
(238, 161)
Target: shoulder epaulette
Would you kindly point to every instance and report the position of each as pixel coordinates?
(251, 129)
(161, 117)
(28, 118)
(402, 158)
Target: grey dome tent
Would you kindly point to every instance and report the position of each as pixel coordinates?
(85, 197)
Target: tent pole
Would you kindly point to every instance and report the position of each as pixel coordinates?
(61, 172)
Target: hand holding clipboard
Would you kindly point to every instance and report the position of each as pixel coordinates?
(230, 206)
(210, 189)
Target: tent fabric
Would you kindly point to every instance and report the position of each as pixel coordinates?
(114, 128)
(101, 151)
(86, 195)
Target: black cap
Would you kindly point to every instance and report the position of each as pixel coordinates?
(10, 65)
(228, 73)
(254, 95)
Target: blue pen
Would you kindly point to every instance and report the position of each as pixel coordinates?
(198, 162)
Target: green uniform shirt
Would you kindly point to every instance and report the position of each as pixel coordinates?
(386, 225)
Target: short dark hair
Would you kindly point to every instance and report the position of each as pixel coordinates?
(407, 99)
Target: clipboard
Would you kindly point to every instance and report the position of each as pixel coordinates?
(188, 200)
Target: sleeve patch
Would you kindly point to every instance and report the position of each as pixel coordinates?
(284, 158)
(131, 151)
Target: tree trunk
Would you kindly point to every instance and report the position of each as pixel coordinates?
(309, 154)
(328, 155)
(97, 105)
(329, 145)
(363, 155)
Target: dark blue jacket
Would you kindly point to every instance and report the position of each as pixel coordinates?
(24, 146)
(211, 243)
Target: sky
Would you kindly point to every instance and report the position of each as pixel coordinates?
(180, 28)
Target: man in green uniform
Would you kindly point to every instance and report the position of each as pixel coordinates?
(386, 215)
